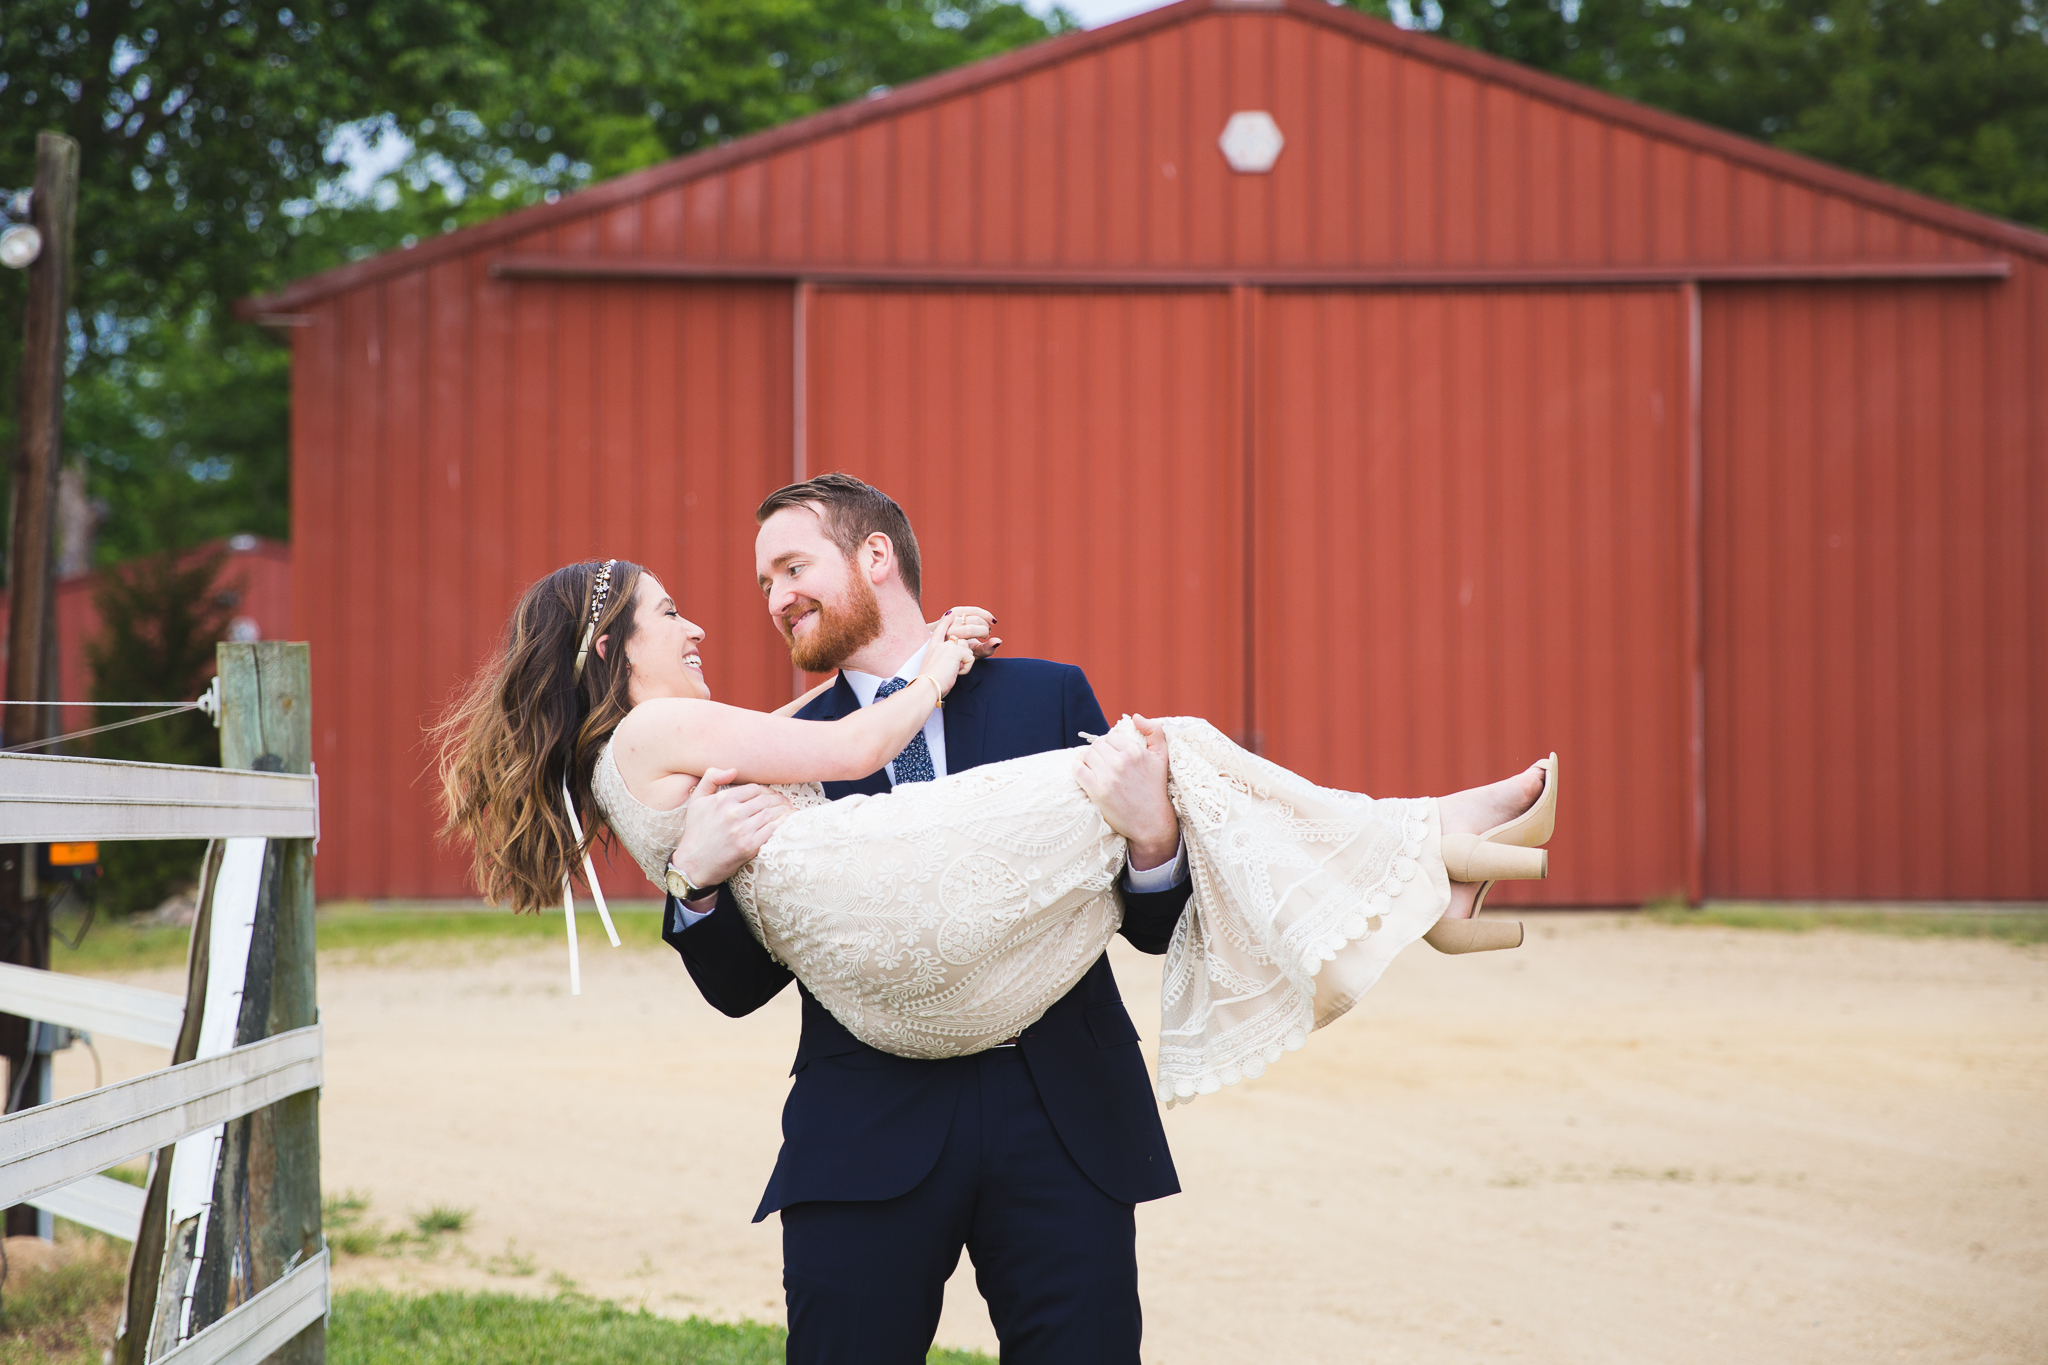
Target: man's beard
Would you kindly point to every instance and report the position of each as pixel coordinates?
(843, 628)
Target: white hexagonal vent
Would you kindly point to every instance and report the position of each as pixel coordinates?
(1251, 142)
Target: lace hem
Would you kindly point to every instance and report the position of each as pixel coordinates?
(1259, 961)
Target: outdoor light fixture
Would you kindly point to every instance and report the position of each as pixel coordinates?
(19, 246)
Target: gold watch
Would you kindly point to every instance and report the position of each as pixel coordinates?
(682, 888)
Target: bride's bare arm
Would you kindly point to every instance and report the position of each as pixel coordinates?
(675, 739)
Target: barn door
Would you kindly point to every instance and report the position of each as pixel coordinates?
(1472, 526)
(1068, 461)
(1871, 694)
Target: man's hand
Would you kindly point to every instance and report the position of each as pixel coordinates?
(725, 827)
(1124, 774)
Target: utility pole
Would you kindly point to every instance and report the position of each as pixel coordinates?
(31, 579)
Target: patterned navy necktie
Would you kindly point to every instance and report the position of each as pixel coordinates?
(914, 764)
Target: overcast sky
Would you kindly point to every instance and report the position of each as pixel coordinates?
(1096, 13)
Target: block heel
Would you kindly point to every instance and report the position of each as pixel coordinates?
(1512, 851)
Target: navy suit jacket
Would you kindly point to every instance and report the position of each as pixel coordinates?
(862, 1124)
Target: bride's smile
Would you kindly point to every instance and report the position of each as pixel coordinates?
(664, 649)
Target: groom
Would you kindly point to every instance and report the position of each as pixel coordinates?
(1031, 1155)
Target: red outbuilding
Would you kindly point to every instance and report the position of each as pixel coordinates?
(1468, 415)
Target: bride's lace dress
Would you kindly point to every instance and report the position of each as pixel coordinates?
(947, 916)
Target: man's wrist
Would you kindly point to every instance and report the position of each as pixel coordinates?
(1155, 852)
(686, 889)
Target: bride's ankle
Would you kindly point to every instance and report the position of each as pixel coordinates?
(1478, 809)
(1463, 896)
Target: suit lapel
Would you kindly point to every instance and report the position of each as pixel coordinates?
(966, 720)
(832, 705)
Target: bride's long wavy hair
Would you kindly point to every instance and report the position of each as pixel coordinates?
(524, 721)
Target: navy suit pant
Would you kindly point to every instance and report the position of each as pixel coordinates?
(1055, 1257)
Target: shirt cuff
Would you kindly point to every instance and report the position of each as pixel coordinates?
(1164, 877)
(685, 916)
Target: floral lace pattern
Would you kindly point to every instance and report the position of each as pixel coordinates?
(947, 916)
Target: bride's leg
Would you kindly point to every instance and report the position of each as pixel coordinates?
(1478, 809)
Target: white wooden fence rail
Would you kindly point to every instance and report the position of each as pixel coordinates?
(251, 1332)
(49, 1147)
(100, 1203)
(140, 1016)
(51, 1155)
(53, 799)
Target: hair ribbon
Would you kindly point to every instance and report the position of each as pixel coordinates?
(569, 897)
(601, 588)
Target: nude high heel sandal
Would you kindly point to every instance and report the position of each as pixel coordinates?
(1508, 852)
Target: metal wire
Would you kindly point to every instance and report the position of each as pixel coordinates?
(97, 729)
(93, 703)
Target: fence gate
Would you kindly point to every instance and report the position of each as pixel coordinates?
(229, 1264)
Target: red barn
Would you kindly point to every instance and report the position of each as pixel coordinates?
(1494, 415)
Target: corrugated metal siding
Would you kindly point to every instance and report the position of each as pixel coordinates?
(1068, 461)
(1110, 159)
(1877, 603)
(458, 439)
(1471, 530)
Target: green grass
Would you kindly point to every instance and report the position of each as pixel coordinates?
(357, 930)
(64, 1312)
(378, 1327)
(2024, 927)
(440, 1218)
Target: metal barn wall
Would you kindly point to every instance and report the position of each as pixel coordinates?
(1472, 518)
(1877, 590)
(1117, 457)
(1400, 152)
(455, 440)
(1068, 461)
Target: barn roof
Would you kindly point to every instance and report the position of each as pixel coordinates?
(1941, 236)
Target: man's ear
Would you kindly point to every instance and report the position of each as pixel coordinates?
(880, 553)
(602, 641)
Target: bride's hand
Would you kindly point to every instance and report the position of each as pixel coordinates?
(946, 658)
(972, 626)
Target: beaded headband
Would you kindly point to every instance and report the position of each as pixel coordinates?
(600, 588)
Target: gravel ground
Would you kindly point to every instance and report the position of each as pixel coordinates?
(1627, 1142)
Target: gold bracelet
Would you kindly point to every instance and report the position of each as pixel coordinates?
(926, 677)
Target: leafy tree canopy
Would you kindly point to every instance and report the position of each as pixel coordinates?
(210, 134)
(1947, 97)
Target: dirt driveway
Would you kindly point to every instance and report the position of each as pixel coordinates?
(1627, 1142)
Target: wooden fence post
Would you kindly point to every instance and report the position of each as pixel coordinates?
(146, 1257)
(273, 1161)
(266, 1192)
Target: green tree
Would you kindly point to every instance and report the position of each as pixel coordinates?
(1948, 97)
(159, 619)
(209, 130)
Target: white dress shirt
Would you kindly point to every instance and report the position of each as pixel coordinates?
(865, 685)
(1168, 874)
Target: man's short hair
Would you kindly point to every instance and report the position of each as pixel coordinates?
(852, 510)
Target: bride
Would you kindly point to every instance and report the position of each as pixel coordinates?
(944, 917)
